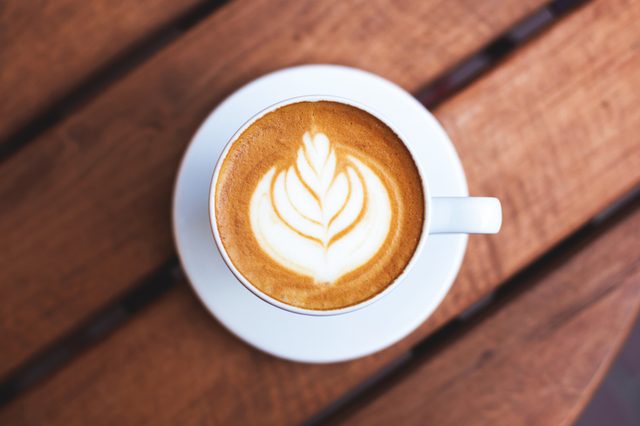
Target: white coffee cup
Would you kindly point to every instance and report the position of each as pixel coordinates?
(444, 215)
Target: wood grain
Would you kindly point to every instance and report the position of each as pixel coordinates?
(49, 47)
(552, 134)
(536, 359)
(85, 210)
(541, 129)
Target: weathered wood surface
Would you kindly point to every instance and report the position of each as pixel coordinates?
(85, 211)
(49, 47)
(551, 132)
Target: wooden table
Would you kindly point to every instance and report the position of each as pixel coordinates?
(99, 100)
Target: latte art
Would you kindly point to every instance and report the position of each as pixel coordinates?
(325, 215)
(319, 205)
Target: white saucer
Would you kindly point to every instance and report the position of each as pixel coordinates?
(312, 338)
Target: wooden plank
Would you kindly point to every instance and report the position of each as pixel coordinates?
(48, 47)
(538, 358)
(88, 202)
(580, 113)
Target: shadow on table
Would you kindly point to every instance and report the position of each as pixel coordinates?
(617, 400)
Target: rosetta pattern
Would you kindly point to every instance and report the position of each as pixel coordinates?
(323, 216)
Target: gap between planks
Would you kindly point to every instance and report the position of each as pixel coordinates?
(102, 78)
(115, 314)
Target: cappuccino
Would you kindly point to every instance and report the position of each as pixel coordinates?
(319, 205)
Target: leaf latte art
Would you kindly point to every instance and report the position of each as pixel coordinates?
(323, 216)
(319, 205)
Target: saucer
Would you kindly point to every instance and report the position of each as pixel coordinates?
(303, 338)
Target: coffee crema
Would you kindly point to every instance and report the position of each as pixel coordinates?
(319, 205)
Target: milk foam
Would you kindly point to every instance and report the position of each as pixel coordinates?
(323, 216)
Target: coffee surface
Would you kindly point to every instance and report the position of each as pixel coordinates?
(319, 205)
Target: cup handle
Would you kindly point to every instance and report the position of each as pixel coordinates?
(465, 215)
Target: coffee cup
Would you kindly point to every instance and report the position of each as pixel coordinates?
(333, 225)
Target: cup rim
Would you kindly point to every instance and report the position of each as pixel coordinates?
(426, 221)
